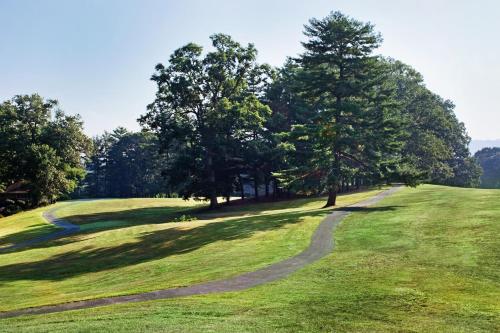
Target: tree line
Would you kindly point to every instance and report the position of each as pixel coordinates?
(125, 164)
(489, 160)
(336, 116)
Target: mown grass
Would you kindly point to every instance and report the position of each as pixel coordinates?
(142, 250)
(429, 265)
(23, 226)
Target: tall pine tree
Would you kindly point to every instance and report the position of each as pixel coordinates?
(355, 130)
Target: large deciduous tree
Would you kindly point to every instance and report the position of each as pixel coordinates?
(206, 107)
(42, 145)
(437, 142)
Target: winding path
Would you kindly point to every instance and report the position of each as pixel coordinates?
(321, 244)
(67, 229)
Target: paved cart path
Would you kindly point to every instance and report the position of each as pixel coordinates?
(66, 229)
(321, 244)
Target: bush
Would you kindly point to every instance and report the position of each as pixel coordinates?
(13, 209)
(10, 206)
(185, 218)
(166, 195)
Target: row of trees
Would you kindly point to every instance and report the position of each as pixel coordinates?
(125, 164)
(335, 117)
(489, 159)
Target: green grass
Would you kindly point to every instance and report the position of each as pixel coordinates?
(429, 262)
(22, 226)
(142, 250)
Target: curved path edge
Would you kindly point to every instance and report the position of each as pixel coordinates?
(67, 229)
(321, 244)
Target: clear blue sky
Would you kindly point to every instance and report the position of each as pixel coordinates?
(96, 57)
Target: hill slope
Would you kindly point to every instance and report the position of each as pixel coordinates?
(425, 260)
(132, 245)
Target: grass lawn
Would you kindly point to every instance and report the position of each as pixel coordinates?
(428, 263)
(23, 226)
(140, 251)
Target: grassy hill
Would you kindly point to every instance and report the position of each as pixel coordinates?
(132, 245)
(428, 262)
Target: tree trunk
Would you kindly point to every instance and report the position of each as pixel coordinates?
(267, 187)
(256, 187)
(211, 178)
(242, 188)
(332, 197)
(213, 201)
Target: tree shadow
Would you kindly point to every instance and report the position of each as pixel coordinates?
(157, 244)
(96, 222)
(30, 232)
(150, 246)
(153, 215)
(101, 221)
(355, 209)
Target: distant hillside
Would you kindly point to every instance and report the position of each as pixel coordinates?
(476, 145)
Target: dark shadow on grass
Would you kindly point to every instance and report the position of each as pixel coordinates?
(127, 218)
(136, 216)
(141, 216)
(29, 233)
(150, 246)
(368, 209)
(149, 215)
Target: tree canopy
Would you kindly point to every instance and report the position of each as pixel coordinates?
(489, 159)
(206, 109)
(41, 145)
(126, 164)
(336, 117)
(352, 125)
(437, 143)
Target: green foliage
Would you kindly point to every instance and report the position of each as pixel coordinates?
(126, 164)
(335, 118)
(350, 123)
(489, 159)
(206, 109)
(437, 143)
(185, 218)
(46, 152)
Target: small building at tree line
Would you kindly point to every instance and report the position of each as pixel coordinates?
(20, 190)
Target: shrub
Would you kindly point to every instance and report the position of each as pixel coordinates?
(185, 218)
(13, 209)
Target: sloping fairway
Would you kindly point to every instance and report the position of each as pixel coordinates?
(23, 226)
(130, 246)
(427, 260)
